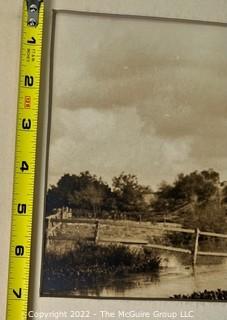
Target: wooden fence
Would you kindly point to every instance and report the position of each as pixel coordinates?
(56, 221)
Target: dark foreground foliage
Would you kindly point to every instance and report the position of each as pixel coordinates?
(90, 264)
(218, 295)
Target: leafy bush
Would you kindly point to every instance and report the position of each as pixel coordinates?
(90, 261)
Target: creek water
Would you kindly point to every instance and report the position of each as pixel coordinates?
(175, 278)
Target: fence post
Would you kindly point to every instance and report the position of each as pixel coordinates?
(97, 232)
(196, 246)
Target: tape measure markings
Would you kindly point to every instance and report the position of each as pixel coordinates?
(25, 160)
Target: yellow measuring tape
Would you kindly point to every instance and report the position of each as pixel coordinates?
(25, 159)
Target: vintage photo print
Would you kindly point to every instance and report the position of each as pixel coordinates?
(136, 198)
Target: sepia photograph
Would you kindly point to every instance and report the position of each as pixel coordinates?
(136, 185)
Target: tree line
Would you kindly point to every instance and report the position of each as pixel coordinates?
(86, 191)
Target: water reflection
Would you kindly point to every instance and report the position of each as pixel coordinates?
(175, 277)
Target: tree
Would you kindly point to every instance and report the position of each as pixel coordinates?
(196, 187)
(129, 194)
(92, 197)
(224, 195)
(96, 196)
(54, 199)
(83, 191)
(211, 175)
(58, 196)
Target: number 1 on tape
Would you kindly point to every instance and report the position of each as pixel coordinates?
(25, 160)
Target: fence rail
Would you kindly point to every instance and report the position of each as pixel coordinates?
(56, 221)
(211, 234)
(168, 248)
(119, 224)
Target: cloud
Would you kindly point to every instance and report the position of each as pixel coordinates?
(143, 96)
(110, 142)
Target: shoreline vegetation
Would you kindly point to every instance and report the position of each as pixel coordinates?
(216, 295)
(91, 266)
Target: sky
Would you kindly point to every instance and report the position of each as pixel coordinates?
(141, 96)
